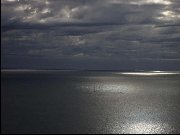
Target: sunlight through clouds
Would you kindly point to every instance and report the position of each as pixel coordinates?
(169, 15)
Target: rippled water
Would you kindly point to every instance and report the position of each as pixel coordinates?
(90, 102)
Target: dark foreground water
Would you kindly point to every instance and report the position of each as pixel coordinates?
(89, 102)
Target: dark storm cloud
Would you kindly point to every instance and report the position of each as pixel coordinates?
(95, 30)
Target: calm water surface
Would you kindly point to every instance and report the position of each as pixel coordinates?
(90, 102)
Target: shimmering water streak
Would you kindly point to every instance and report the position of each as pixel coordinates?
(151, 73)
(142, 128)
(90, 102)
(148, 128)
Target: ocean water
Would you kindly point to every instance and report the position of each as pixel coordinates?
(90, 102)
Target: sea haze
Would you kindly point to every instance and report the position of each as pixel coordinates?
(45, 101)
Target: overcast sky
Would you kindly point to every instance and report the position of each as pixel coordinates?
(90, 34)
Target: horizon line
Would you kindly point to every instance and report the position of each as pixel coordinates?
(155, 71)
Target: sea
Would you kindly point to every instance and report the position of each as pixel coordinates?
(90, 102)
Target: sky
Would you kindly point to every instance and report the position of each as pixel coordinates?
(90, 34)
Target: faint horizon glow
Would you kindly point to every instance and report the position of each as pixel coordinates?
(158, 71)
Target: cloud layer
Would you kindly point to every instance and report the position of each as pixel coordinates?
(104, 32)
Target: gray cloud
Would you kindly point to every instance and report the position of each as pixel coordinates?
(98, 30)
